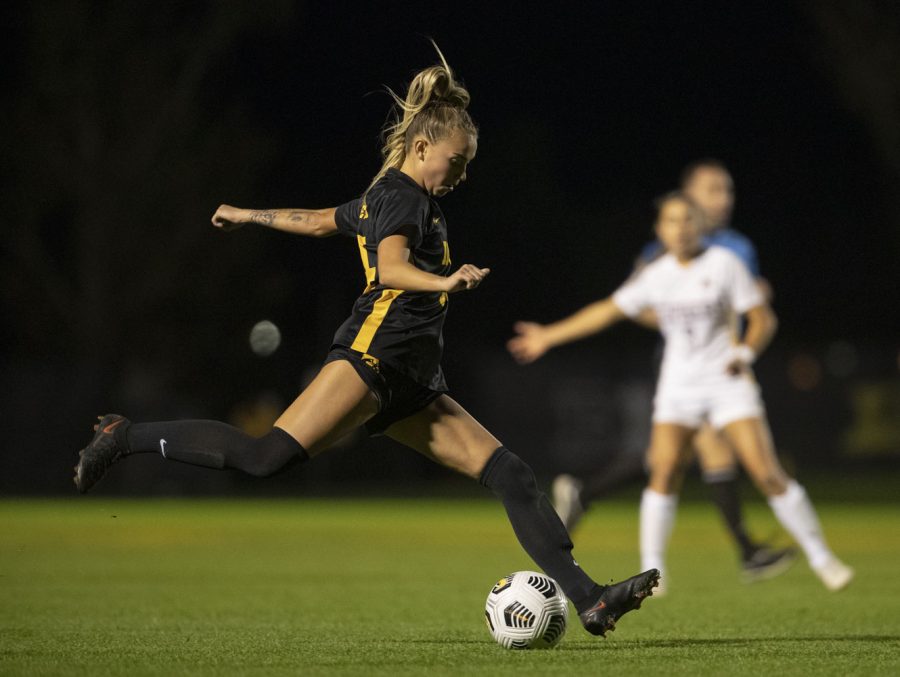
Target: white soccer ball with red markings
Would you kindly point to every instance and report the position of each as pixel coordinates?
(527, 610)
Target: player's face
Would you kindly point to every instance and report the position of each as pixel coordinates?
(713, 191)
(679, 229)
(445, 162)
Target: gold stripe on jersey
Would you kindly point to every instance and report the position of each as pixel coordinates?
(445, 262)
(364, 255)
(371, 324)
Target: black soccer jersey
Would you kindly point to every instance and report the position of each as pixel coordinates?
(400, 328)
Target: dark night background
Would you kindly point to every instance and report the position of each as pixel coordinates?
(124, 125)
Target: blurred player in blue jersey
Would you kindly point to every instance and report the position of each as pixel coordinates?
(696, 290)
(709, 184)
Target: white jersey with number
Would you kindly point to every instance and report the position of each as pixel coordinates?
(697, 303)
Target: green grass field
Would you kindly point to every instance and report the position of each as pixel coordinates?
(381, 587)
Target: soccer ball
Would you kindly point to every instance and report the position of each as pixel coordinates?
(526, 610)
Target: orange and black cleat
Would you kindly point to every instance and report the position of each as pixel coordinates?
(96, 458)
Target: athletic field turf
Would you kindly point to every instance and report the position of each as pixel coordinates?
(381, 587)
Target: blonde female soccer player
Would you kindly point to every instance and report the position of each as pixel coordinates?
(384, 367)
(695, 292)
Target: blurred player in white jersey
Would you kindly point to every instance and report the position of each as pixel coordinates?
(695, 290)
(709, 184)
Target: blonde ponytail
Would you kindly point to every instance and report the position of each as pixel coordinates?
(434, 107)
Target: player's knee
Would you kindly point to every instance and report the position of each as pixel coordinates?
(273, 453)
(666, 478)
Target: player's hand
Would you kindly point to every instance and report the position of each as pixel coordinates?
(467, 277)
(228, 218)
(530, 343)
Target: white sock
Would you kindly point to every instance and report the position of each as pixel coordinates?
(796, 514)
(657, 520)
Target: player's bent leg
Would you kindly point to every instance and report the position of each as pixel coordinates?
(336, 402)
(713, 452)
(446, 433)
(758, 562)
(209, 444)
(719, 467)
(668, 455)
(788, 499)
(333, 404)
(752, 441)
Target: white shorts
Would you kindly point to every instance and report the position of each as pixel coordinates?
(719, 404)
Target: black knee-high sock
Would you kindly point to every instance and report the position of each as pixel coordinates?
(213, 444)
(724, 490)
(537, 525)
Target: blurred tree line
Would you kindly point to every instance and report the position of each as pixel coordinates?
(125, 124)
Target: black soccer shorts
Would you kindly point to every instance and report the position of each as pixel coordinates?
(399, 397)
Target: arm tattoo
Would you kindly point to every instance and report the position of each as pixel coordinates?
(263, 218)
(298, 216)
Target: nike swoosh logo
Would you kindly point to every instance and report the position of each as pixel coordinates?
(162, 446)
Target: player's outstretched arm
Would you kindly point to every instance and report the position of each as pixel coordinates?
(396, 271)
(533, 340)
(310, 222)
(648, 319)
